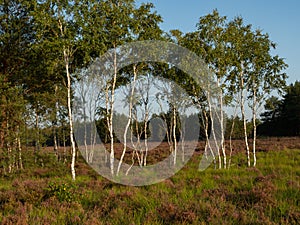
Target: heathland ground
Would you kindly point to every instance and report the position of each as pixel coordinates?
(44, 193)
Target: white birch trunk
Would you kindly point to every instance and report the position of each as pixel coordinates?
(244, 119)
(174, 135)
(213, 131)
(55, 142)
(146, 135)
(37, 134)
(254, 127)
(222, 125)
(129, 119)
(85, 131)
(73, 148)
(54, 126)
(112, 102)
(20, 161)
(66, 54)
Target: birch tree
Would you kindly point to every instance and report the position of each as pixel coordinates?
(209, 42)
(56, 30)
(255, 72)
(131, 99)
(240, 38)
(123, 22)
(267, 76)
(213, 35)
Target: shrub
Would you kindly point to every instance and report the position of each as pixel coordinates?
(62, 191)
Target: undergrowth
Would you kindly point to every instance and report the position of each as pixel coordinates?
(267, 194)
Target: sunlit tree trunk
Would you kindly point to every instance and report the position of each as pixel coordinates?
(213, 131)
(174, 134)
(145, 91)
(18, 140)
(110, 111)
(242, 102)
(73, 148)
(254, 127)
(55, 146)
(129, 118)
(37, 134)
(221, 119)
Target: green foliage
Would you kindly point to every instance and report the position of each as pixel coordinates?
(63, 191)
(282, 114)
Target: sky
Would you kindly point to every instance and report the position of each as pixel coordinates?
(279, 18)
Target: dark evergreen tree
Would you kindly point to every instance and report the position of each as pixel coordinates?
(282, 117)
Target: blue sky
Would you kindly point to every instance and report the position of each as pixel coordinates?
(279, 18)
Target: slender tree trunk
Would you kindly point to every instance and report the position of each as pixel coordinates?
(10, 158)
(20, 161)
(213, 131)
(245, 134)
(169, 134)
(244, 120)
(55, 142)
(205, 124)
(112, 153)
(66, 55)
(230, 143)
(174, 135)
(146, 118)
(145, 132)
(54, 123)
(230, 137)
(73, 148)
(254, 128)
(85, 135)
(110, 117)
(206, 127)
(37, 134)
(129, 119)
(107, 105)
(207, 143)
(222, 126)
(135, 146)
(138, 144)
(93, 130)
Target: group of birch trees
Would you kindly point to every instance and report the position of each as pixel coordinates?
(46, 44)
(244, 67)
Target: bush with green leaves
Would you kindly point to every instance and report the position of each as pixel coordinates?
(62, 191)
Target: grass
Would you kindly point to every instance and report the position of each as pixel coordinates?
(267, 194)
